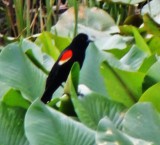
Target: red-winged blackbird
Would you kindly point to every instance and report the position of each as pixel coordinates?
(75, 52)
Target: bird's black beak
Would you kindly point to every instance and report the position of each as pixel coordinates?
(89, 41)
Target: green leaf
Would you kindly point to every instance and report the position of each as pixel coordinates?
(152, 76)
(154, 44)
(90, 112)
(92, 21)
(44, 125)
(61, 42)
(143, 121)
(90, 74)
(11, 125)
(93, 107)
(151, 26)
(15, 99)
(152, 8)
(34, 53)
(154, 70)
(147, 63)
(74, 76)
(17, 71)
(133, 58)
(140, 42)
(3, 89)
(107, 134)
(152, 95)
(90, 71)
(51, 44)
(113, 42)
(126, 29)
(122, 86)
(48, 45)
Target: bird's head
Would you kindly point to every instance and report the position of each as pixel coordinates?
(81, 40)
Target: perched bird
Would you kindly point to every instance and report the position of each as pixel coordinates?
(75, 52)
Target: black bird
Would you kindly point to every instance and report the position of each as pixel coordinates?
(75, 52)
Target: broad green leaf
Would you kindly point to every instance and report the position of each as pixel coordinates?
(151, 26)
(48, 62)
(113, 42)
(52, 45)
(74, 76)
(96, 19)
(30, 55)
(93, 107)
(116, 44)
(143, 121)
(133, 58)
(119, 53)
(122, 86)
(140, 42)
(107, 134)
(126, 29)
(61, 42)
(154, 70)
(154, 44)
(152, 75)
(15, 99)
(90, 74)
(44, 125)
(3, 89)
(152, 8)
(48, 45)
(147, 63)
(17, 71)
(93, 21)
(148, 82)
(36, 51)
(11, 125)
(152, 95)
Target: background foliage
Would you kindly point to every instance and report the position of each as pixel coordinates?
(113, 99)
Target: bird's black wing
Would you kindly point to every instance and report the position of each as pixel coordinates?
(54, 71)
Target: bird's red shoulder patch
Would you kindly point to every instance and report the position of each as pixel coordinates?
(67, 55)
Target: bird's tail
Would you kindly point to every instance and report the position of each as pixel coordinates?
(47, 95)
